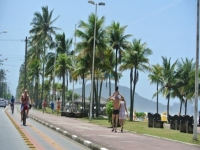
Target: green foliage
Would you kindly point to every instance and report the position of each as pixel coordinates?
(68, 95)
(140, 114)
(109, 109)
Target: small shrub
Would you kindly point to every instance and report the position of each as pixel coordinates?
(109, 109)
(140, 114)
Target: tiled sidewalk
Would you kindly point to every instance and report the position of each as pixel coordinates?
(102, 137)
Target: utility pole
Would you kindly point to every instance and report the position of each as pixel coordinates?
(196, 77)
(73, 66)
(25, 66)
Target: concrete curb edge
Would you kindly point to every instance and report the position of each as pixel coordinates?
(80, 140)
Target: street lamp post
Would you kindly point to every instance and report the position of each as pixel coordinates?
(5, 31)
(93, 58)
(196, 77)
(25, 67)
(73, 66)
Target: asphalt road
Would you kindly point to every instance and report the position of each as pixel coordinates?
(41, 137)
(10, 138)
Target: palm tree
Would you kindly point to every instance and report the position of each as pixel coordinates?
(117, 40)
(110, 72)
(155, 77)
(63, 63)
(64, 47)
(168, 83)
(43, 29)
(85, 47)
(184, 68)
(81, 71)
(135, 59)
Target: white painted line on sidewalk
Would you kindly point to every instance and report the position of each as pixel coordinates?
(65, 132)
(87, 142)
(74, 137)
(103, 148)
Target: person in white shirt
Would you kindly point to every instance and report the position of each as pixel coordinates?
(122, 114)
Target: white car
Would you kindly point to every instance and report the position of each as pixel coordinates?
(2, 103)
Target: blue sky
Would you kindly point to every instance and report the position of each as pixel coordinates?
(167, 26)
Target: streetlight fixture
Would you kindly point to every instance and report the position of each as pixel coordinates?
(5, 31)
(100, 4)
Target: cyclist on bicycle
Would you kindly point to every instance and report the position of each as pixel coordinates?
(12, 101)
(25, 103)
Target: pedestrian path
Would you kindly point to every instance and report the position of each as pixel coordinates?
(99, 137)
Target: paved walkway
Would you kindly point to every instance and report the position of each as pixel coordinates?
(102, 137)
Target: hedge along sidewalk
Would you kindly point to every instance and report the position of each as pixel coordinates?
(103, 136)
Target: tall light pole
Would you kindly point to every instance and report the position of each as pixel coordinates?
(73, 66)
(101, 4)
(196, 77)
(25, 66)
(5, 31)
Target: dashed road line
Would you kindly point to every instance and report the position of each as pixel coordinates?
(24, 137)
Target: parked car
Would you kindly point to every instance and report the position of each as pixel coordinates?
(2, 103)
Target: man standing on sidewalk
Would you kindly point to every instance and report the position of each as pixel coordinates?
(115, 114)
(58, 106)
(44, 105)
(52, 107)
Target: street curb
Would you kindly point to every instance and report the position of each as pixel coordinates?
(80, 140)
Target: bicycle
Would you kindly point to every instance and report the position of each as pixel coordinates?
(24, 116)
(12, 107)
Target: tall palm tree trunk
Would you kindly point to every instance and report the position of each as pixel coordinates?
(157, 98)
(186, 106)
(67, 82)
(116, 68)
(63, 93)
(168, 99)
(40, 106)
(134, 85)
(82, 97)
(180, 107)
(131, 95)
(84, 90)
(109, 85)
(36, 90)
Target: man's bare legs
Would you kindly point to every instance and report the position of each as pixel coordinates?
(113, 123)
(116, 122)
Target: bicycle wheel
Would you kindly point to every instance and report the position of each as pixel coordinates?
(24, 118)
(12, 108)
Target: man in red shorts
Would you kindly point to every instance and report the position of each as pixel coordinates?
(25, 103)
